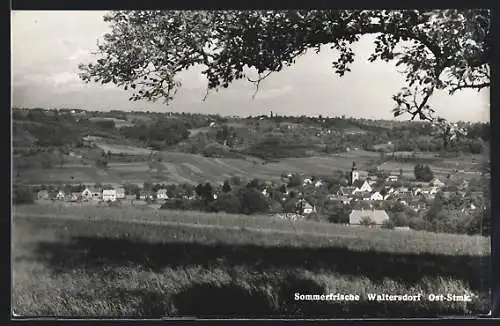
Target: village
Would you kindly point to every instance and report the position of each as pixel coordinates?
(366, 197)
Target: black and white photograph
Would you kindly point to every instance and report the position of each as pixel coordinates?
(250, 164)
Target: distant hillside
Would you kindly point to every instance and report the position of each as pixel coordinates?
(215, 136)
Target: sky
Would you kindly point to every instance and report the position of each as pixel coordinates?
(47, 47)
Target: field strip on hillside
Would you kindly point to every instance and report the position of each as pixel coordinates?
(193, 168)
(191, 225)
(172, 171)
(224, 164)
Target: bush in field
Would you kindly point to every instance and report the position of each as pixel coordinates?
(252, 201)
(22, 195)
(423, 173)
(366, 221)
(235, 181)
(227, 202)
(205, 191)
(388, 224)
(226, 187)
(399, 219)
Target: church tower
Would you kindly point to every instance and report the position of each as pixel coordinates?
(354, 173)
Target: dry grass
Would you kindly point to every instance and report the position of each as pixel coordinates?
(104, 262)
(355, 238)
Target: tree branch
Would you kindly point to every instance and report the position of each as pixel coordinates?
(465, 85)
(257, 82)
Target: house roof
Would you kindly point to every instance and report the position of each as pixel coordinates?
(347, 190)
(93, 189)
(376, 215)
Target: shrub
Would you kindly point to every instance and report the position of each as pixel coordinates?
(366, 221)
(388, 224)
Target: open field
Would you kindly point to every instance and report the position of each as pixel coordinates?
(119, 123)
(140, 263)
(183, 167)
(194, 169)
(123, 149)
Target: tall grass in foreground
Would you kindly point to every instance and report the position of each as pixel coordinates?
(114, 267)
(321, 233)
(221, 291)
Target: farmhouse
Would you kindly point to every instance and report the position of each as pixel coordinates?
(162, 194)
(120, 193)
(391, 178)
(109, 194)
(91, 194)
(365, 187)
(436, 183)
(305, 207)
(307, 181)
(60, 195)
(146, 195)
(376, 196)
(319, 184)
(376, 216)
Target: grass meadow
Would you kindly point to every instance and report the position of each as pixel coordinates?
(111, 262)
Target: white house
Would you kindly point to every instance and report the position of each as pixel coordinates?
(391, 178)
(109, 194)
(319, 184)
(91, 193)
(60, 195)
(120, 193)
(307, 181)
(366, 187)
(436, 183)
(161, 194)
(86, 194)
(376, 196)
(305, 207)
(356, 190)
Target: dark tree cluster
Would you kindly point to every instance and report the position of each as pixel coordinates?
(423, 173)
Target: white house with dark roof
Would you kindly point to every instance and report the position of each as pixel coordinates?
(91, 193)
(376, 196)
(161, 194)
(365, 187)
(60, 195)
